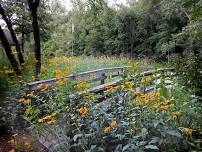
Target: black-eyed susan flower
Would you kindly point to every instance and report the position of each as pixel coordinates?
(50, 119)
(106, 129)
(31, 94)
(187, 131)
(176, 114)
(82, 110)
(113, 123)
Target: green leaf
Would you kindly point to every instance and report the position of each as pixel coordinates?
(92, 147)
(174, 133)
(151, 147)
(126, 147)
(76, 137)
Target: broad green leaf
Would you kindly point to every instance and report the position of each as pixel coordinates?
(151, 147)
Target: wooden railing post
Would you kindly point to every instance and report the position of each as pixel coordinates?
(103, 78)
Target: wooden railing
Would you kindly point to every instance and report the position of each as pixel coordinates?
(101, 75)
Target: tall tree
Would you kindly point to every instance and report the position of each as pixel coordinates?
(9, 24)
(33, 5)
(8, 51)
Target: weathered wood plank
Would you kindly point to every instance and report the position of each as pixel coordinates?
(33, 85)
(51, 82)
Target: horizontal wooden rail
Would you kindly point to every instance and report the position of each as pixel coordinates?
(102, 87)
(99, 72)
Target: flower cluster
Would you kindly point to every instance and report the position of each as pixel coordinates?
(80, 85)
(50, 119)
(42, 87)
(83, 111)
(176, 114)
(164, 105)
(59, 75)
(6, 70)
(146, 98)
(24, 101)
(56, 60)
(187, 131)
(110, 88)
(127, 86)
(111, 125)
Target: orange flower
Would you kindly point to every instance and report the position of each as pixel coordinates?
(187, 131)
(24, 101)
(31, 94)
(113, 123)
(164, 105)
(50, 119)
(33, 78)
(82, 110)
(176, 114)
(27, 101)
(42, 87)
(45, 87)
(80, 85)
(106, 129)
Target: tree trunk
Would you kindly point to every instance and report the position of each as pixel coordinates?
(17, 45)
(23, 42)
(8, 51)
(33, 8)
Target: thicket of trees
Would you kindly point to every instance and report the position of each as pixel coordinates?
(154, 27)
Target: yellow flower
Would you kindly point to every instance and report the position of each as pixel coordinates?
(40, 86)
(146, 98)
(109, 90)
(187, 131)
(136, 92)
(73, 117)
(26, 143)
(40, 120)
(106, 129)
(136, 129)
(53, 114)
(172, 99)
(31, 94)
(51, 121)
(164, 105)
(176, 114)
(60, 82)
(28, 110)
(21, 100)
(82, 110)
(113, 123)
(24, 101)
(80, 85)
(60, 73)
(128, 83)
(27, 101)
(33, 78)
(45, 87)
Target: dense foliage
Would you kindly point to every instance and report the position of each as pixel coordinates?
(144, 34)
(151, 28)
